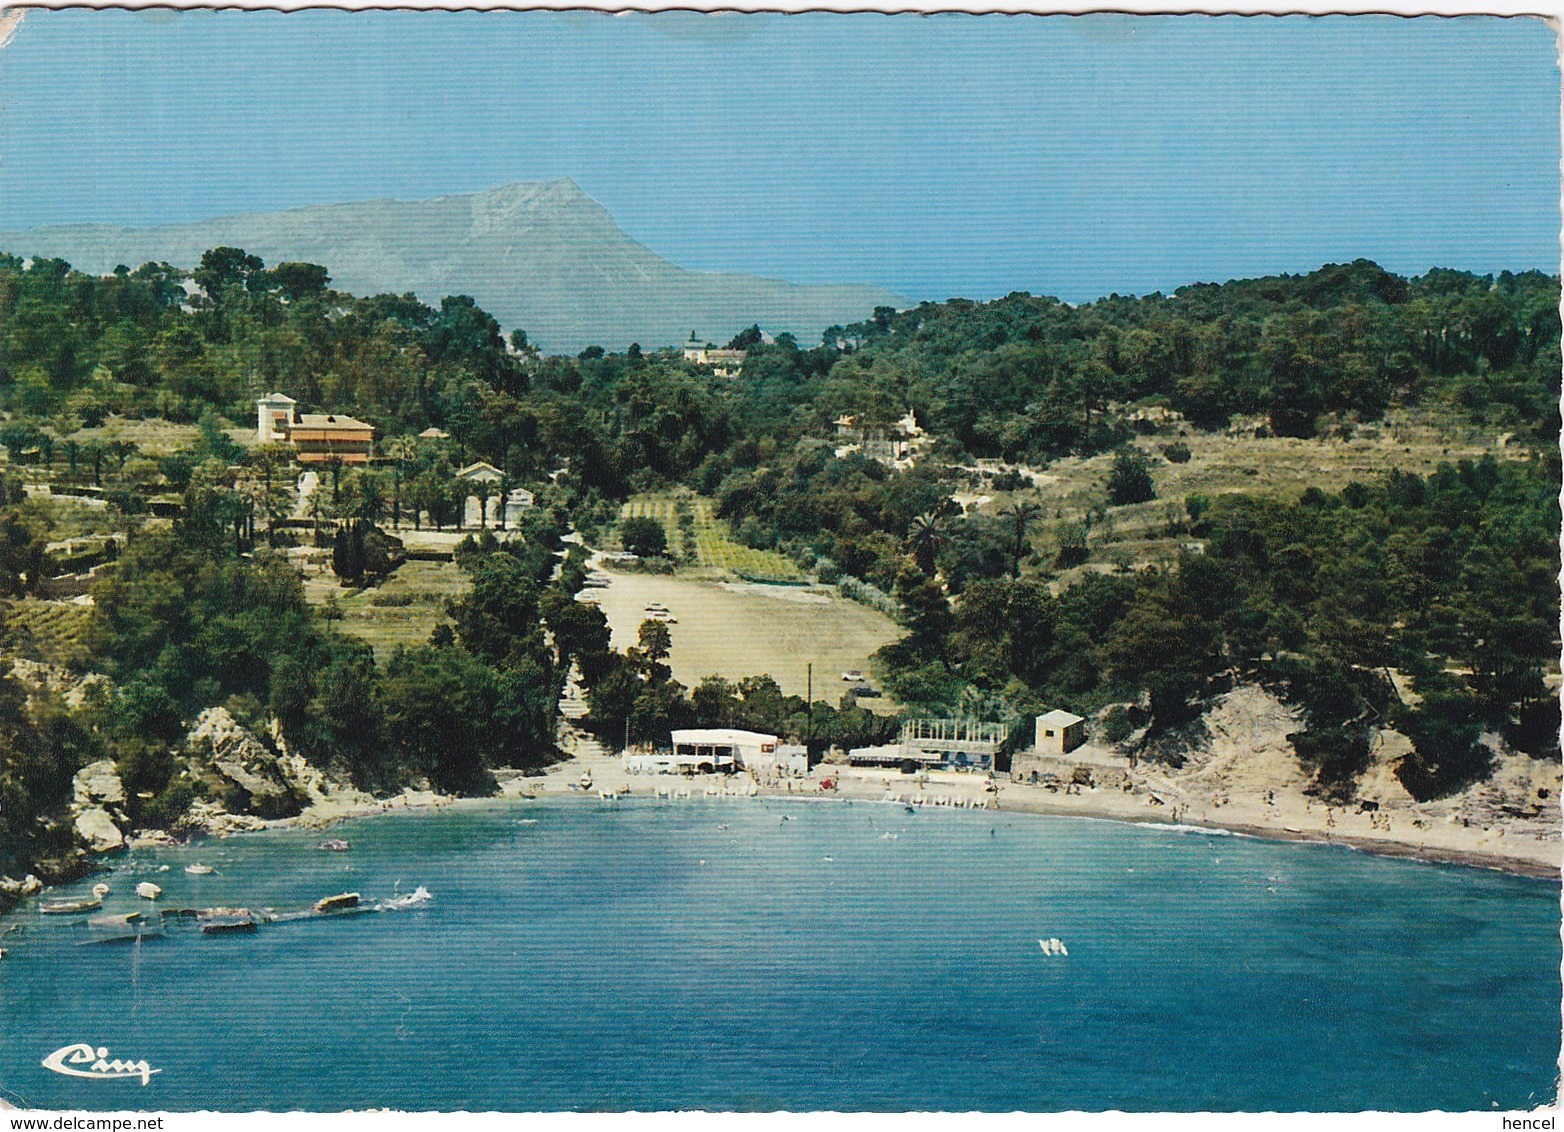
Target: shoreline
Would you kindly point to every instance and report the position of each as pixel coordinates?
(607, 773)
(966, 790)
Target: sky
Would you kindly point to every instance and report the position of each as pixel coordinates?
(937, 156)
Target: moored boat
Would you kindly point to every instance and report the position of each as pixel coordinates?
(69, 907)
(337, 903)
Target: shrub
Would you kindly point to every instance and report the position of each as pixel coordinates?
(1177, 453)
(642, 536)
(1117, 725)
(1129, 480)
(396, 601)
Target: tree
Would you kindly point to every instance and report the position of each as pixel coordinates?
(653, 644)
(299, 281)
(334, 465)
(642, 536)
(502, 489)
(401, 449)
(347, 553)
(1129, 478)
(497, 620)
(266, 459)
(440, 717)
(483, 491)
(371, 498)
(18, 437)
(1021, 516)
(1444, 730)
(925, 535)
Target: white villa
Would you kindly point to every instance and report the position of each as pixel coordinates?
(721, 750)
(518, 500)
(723, 362)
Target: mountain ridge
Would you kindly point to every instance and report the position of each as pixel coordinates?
(543, 256)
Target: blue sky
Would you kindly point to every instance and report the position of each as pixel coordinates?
(938, 156)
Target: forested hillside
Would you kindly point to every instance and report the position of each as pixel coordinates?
(1012, 599)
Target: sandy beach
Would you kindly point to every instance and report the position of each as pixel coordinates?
(1274, 814)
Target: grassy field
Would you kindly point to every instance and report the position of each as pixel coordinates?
(715, 547)
(53, 631)
(365, 614)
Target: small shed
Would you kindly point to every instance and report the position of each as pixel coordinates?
(1059, 732)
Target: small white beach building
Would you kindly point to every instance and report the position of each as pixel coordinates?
(720, 750)
(1059, 733)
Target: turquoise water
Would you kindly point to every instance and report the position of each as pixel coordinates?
(639, 955)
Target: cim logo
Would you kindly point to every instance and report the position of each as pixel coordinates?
(68, 1060)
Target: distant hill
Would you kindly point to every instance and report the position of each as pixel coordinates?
(541, 256)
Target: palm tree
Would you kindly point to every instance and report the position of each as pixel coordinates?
(484, 490)
(335, 464)
(1021, 516)
(925, 535)
(402, 449)
(266, 459)
(371, 497)
(122, 450)
(504, 487)
(318, 509)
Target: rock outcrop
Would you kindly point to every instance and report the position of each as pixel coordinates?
(97, 801)
(233, 753)
(98, 784)
(96, 830)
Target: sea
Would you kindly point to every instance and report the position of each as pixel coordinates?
(763, 954)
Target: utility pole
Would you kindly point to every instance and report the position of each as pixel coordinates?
(809, 708)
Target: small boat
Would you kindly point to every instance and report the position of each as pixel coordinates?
(148, 891)
(337, 903)
(69, 907)
(334, 845)
(608, 795)
(100, 890)
(1053, 947)
(413, 899)
(199, 870)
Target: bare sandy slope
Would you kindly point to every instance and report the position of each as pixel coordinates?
(744, 630)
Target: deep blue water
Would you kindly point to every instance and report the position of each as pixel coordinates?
(639, 956)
